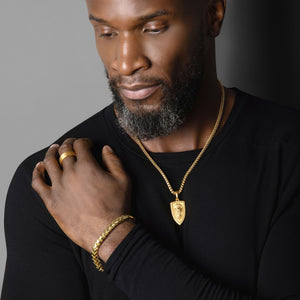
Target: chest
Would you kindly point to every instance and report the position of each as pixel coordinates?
(229, 204)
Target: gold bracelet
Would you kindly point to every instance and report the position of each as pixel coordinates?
(103, 236)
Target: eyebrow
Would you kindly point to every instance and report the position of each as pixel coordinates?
(158, 13)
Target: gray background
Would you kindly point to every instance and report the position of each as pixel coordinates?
(51, 77)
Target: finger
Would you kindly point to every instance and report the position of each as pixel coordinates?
(51, 164)
(67, 146)
(112, 162)
(83, 151)
(38, 183)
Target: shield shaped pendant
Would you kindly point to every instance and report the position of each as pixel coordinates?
(178, 211)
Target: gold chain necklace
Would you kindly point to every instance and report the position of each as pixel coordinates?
(178, 209)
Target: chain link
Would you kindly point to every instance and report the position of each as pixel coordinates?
(176, 193)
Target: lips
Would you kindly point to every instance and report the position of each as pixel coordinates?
(138, 92)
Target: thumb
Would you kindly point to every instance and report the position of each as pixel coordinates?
(112, 161)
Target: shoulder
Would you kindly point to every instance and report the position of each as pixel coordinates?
(95, 128)
(268, 136)
(20, 194)
(266, 122)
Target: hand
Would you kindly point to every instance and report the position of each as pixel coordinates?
(83, 198)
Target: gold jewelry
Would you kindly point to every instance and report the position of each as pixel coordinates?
(103, 236)
(178, 209)
(64, 155)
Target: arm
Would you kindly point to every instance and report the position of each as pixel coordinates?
(138, 264)
(156, 271)
(40, 259)
(143, 269)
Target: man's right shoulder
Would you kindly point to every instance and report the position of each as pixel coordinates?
(95, 128)
(20, 193)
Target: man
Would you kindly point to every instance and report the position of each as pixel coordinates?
(211, 175)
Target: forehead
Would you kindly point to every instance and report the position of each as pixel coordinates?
(124, 10)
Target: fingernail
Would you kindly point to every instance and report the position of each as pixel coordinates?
(54, 146)
(108, 149)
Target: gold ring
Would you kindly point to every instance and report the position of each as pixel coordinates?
(64, 155)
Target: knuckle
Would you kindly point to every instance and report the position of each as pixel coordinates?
(52, 150)
(65, 147)
(47, 161)
(86, 167)
(69, 178)
(83, 142)
(69, 141)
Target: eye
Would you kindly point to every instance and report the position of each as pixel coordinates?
(107, 35)
(105, 32)
(154, 29)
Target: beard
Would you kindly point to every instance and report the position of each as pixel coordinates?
(177, 102)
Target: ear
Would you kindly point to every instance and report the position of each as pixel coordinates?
(216, 12)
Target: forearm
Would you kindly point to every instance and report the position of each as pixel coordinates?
(40, 261)
(143, 269)
(114, 239)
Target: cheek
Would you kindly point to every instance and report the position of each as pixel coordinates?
(104, 52)
(105, 49)
(168, 53)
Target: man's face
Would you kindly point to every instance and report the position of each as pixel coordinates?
(153, 53)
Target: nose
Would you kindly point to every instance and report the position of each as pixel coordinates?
(129, 56)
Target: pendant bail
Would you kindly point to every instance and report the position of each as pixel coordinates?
(176, 195)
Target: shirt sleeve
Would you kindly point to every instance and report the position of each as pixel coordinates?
(143, 269)
(40, 262)
(279, 271)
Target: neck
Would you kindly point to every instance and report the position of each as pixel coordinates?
(194, 133)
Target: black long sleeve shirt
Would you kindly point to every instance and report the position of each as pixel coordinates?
(240, 238)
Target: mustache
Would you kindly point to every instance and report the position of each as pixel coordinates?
(118, 80)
